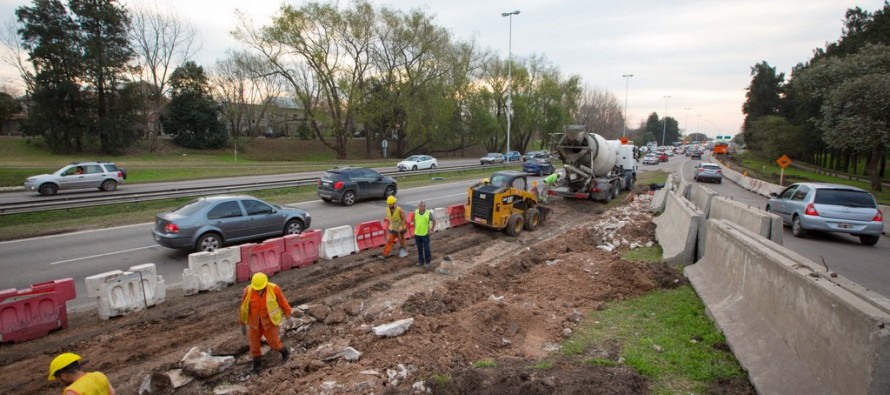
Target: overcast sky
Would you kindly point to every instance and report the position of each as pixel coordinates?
(699, 53)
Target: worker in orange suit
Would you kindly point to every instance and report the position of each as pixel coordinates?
(66, 368)
(263, 308)
(398, 225)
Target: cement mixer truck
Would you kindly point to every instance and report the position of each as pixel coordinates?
(593, 168)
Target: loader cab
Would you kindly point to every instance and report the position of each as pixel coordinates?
(504, 203)
(513, 179)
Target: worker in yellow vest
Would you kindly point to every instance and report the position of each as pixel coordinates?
(66, 368)
(263, 307)
(424, 221)
(398, 225)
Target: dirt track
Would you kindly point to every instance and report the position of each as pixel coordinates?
(502, 299)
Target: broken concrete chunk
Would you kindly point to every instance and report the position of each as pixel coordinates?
(567, 332)
(335, 317)
(231, 389)
(354, 307)
(197, 363)
(318, 311)
(329, 352)
(393, 329)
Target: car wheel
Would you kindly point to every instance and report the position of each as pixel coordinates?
(48, 189)
(389, 191)
(209, 242)
(720, 181)
(293, 227)
(514, 225)
(482, 163)
(414, 167)
(348, 198)
(796, 228)
(869, 240)
(433, 166)
(108, 186)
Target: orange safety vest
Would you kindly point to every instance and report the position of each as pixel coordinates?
(93, 383)
(396, 218)
(272, 307)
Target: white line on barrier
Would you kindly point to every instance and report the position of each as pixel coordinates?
(101, 255)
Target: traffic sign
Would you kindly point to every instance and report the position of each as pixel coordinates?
(783, 161)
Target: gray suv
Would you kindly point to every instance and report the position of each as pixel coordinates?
(828, 208)
(103, 175)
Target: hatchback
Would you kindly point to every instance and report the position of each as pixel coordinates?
(708, 172)
(829, 208)
(513, 156)
(208, 223)
(102, 175)
(348, 184)
(492, 158)
(538, 166)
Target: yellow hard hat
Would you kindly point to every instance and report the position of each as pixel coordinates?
(485, 181)
(259, 281)
(391, 200)
(61, 362)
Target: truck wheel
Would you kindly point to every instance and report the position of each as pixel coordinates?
(532, 219)
(514, 225)
(608, 197)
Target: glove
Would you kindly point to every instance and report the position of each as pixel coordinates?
(243, 329)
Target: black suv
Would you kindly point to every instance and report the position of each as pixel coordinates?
(347, 184)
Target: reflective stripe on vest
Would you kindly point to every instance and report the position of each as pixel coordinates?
(421, 223)
(90, 383)
(396, 218)
(272, 307)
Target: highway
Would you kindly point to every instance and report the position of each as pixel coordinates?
(81, 254)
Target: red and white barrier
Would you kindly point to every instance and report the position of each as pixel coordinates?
(32, 313)
(301, 250)
(369, 235)
(264, 257)
(456, 215)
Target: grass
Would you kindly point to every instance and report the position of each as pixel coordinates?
(666, 336)
(645, 254)
(651, 177)
(543, 365)
(440, 379)
(25, 225)
(484, 364)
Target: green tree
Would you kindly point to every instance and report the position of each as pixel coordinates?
(9, 106)
(778, 137)
(763, 98)
(192, 117)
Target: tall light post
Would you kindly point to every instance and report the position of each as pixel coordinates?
(664, 130)
(509, 74)
(685, 127)
(626, 85)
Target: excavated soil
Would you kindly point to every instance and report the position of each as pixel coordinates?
(492, 298)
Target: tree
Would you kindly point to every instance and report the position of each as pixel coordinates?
(601, 112)
(247, 86)
(192, 117)
(9, 106)
(763, 98)
(777, 136)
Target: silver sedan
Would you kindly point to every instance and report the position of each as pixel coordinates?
(829, 208)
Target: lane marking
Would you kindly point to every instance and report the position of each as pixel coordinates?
(101, 255)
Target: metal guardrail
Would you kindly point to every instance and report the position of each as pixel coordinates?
(62, 203)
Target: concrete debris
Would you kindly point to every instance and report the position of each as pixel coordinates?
(331, 387)
(393, 329)
(606, 247)
(178, 378)
(553, 262)
(650, 244)
(397, 375)
(551, 347)
(496, 298)
(318, 311)
(505, 342)
(197, 363)
(231, 389)
(371, 372)
(329, 352)
(335, 317)
(576, 317)
(420, 387)
(656, 347)
(567, 332)
(354, 307)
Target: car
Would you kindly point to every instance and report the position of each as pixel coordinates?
(696, 154)
(650, 159)
(416, 162)
(346, 185)
(708, 172)
(211, 222)
(513, 156)
(828, 208)
(538, 166)
(492, 158)
(669, 153)
(542, 154)
(105, 176)
(662, 157)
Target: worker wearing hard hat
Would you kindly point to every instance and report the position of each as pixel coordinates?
(263, 307)
(66, 368)
(398, 225)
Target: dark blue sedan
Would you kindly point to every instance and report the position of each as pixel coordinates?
(538, 166)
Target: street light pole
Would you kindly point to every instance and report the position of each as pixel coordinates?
(509, 74)
(664, 130)
(626, 85)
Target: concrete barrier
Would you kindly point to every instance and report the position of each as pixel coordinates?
(122, 292)
(683, 188)
(754, 219)
(701, 197)
(792, 326)
(337, 242)
(210, 271)
(677, 230)
(658, 200)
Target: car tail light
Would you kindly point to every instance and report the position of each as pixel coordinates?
(701, 169)
(120, 174)
(171, 228)
(319, 182)
(811, 210)
(338, 185)
(879, 217)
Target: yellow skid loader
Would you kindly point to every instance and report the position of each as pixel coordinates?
(504, 203)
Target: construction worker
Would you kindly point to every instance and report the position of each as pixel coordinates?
(263, 307)
(398, 225)
(534, 190)
(424, 221)
(66, 368)
(548, 183)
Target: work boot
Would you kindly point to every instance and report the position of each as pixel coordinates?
(256, 366)
(285, 354)
(403, 252)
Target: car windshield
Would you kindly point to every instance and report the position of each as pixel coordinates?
(845, 197)
(490, 155)
(191, 207)
(413, 158)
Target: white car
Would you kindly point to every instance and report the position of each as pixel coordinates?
(650, 159)
(417, 162)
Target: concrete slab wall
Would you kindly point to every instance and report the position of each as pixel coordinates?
(701, 197)
(658, 200)
(754, 219)
(677, 230)
(789, 323)
(683, 188)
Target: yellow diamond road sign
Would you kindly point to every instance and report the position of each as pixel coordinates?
(784, 161)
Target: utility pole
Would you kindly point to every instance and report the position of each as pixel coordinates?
(664, 130)
(509, 74)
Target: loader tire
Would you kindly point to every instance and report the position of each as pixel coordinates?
(514, 225)
(532, 219)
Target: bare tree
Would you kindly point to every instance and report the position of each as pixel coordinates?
(600, 112)
(247, 86)
(14, 55)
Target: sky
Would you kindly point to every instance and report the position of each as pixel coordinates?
(699, 53)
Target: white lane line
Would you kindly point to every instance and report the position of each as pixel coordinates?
(101, 255)
(77, 233)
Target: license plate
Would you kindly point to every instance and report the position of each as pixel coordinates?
(845, 226)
